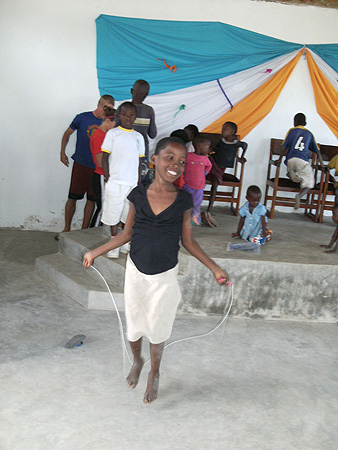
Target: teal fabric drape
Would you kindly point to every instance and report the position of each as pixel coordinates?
(328, 52)
(129, 49)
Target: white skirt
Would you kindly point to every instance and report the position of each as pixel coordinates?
(151, 302)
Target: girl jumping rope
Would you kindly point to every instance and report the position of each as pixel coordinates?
(159, 216)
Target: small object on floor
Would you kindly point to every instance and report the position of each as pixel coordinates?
(297, 202)
(268, 236)
(244, 246)
(76, 341)
(57, 237)
(114, 254)
(260, 240)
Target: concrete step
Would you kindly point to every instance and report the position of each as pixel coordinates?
(84, 286)
(263, 288)
(74, 244)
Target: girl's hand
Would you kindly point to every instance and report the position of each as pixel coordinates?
(234, 235)
(221, 276)
(87, 260)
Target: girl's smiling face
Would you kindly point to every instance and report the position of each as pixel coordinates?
(170, 162)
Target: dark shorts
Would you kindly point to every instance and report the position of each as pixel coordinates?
(81, 182)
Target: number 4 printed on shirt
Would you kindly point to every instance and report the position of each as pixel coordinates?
(300, 145)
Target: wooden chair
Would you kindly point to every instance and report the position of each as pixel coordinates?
(280, 186)
(233, 181)
(327, 152)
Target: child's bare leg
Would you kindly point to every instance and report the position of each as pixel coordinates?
(113, 229)
(87, 213)
(69, 213)
(156, 352)
(134, 374)
(299, 196)
(213, 191)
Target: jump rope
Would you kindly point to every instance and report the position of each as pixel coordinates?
(123, 341)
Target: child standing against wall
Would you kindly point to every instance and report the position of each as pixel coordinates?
(122, 149)
(96, 141)
(159, 216)
(196, 168)
(144, 122)
(253, 221)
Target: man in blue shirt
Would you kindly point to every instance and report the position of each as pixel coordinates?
(83, 167)
(297, 144)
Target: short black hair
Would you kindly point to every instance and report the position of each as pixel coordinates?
(127, 105)
(299, 119)
(182, 134)
(162, 144)
(141, 83)
(200, 138)
(192, 128)
(253, 190)
(233, 126)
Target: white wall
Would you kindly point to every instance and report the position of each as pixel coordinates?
(48, 54)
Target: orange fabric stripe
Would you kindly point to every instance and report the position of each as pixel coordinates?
(326, 95)
(250, 111)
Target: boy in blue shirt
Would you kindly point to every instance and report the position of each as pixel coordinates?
(83, 167)
(297, 144)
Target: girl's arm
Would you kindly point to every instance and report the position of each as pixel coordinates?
(121, 239)
(105, 165)
(192, 246)
(239, 228)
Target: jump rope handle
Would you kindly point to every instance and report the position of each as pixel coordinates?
(229, 283)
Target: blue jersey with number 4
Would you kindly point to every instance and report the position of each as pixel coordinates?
(298, 142)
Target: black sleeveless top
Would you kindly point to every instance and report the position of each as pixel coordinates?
(155, 241)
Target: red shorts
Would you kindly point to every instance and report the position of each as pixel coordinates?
(81, 182)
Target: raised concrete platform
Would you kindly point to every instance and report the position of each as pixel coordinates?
(254, 385)
(292, 278)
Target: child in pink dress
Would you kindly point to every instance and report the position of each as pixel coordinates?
(196, 168)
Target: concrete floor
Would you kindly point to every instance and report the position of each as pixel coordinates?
(261, 385)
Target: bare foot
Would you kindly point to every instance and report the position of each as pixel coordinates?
(152, 388)
(134, 374)
(212, 220)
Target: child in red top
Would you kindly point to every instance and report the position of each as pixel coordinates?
(196, 168)
(95, 146)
